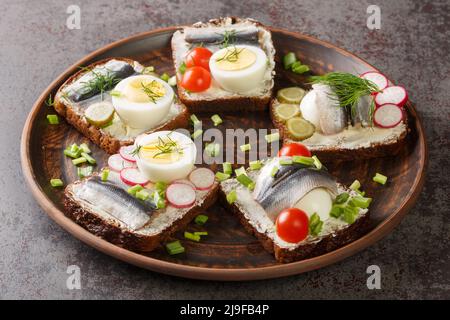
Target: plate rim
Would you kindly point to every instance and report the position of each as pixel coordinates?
(206, 273)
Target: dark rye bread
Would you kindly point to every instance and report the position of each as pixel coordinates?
(114, 233)
(375, 150)
(236, 103)
(104, 140)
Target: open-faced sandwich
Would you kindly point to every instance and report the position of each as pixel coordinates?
(224, 65)
(294, 207)
(145, 194)
(344, 116)
(113, 101)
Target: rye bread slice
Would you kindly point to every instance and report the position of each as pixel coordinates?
(252, 216)
(389, 147)
(225, 101)
(109, 143)
(144, 239)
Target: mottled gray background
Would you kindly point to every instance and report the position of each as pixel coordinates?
(35, 47)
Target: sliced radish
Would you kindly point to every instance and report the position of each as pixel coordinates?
(126, 153)
(379, 79)
(388, 115)
(132, 177)
(180, 195)
(184, 181)
(202, 178)
(392, 95)
(117, 163)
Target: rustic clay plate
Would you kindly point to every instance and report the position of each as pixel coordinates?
(228, 253)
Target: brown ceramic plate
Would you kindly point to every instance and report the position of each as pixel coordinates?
(228, 253)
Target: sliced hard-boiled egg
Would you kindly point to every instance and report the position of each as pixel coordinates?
(165, 155)
(239, 68)
(318, 201)
(142, 101)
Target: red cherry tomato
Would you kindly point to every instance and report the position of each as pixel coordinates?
(294, 149)
(292, 225)
(196, 79)
(198, 57)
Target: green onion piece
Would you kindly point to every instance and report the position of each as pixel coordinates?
(85, 148)
(174, 248)
(84, 172)
(251, 186)
(255, 165)
(350, 214)
(336, 211)
(201, 233)
(160, 186)
(232, 197)
(222, 176)
(115, 93)
(191, 236)
(148, 70)
(286, 162)
(300, 69)
(308, 161)
(135, 189)
(88, 158)
(274, 171)
(315, 224)
(379, 178)
(240, 171)
(246, 147)
(56, 183)
(317, 228)
(182, 68)
(314, 219)
(142, 195)
(172, 81)
(317, 162)
(197, 134)
(216, 119)
(342, 198)
(296, 64)
(53, 119)
(361, 193)
(272, 137)
(158, 199)
(105, 174)
(79, 161)
(74, 148)
(195, 120)
(165, 77)
(355, 185)
(227, 169)
(245, 180)
(288, 60)
(212, 149)
(201, 219)
(71, 154)
(360, 202)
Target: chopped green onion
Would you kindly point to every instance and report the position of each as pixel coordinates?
(142, 195)
(286, 162)
(53, 119)
(300, 69)
(355, 185)
(201, 233)
(191, 236)
(255, 165)
(165, 77)
(315, 224)
(240, 171)
(317, 162)
(115, 93)
(197, 134)
(350, 214)
(105, 174)
(232, 197)
(360, 202)
(83, 172)
(135, 189)
(274, 171)
(361, 193)
(71, 154)
(195, 120)
(174, 248)
(246, 181)
(317, 228)
(56, 183)
(74, 148)
(88, 158)
(314, 219)
(212, 149)
(246, 147)
(288, 60)
(222, 176)
(216, 119)
(227, 169)
(158, 199)
(148, 70)
(160, 186)
(379, 178)
(342, 198)
(336, 211)
(172, 81)
(201, 219)
(296, 64)
(272, 137)
(307, 161)
(85, 148)
(79, 161)
(182, 68)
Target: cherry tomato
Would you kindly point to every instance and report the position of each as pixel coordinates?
(196, 79)
(198, 57)
(294, 149)
(292, 225)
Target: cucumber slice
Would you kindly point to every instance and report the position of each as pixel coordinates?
(299, 128)
(291, 95)
(286, 111)
(100, 113)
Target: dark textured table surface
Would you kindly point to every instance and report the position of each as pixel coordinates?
(412, 47)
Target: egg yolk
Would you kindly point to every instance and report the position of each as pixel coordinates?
(144, 91)
(233, 59)
(161, 152)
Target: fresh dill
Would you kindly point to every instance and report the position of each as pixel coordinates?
(135, 152)
(229, 38)
(100, 82)
(231, 55)
(150, 93)
(168, 146)
(50, 102)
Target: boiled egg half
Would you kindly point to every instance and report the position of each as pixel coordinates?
(239, 68)
(165, 155)
(142, 101)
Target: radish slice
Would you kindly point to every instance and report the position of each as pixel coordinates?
(126, 153)
(202, 178)
(392, 95)
(184, 181)
(388, 116)
(132, 177)
(379, 79)
(180, 195)
(117, 163)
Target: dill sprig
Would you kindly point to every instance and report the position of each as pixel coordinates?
(347, 87)
(101, 82)
(168, 146)
(231, 55)
(50, 102)
(229, 37)
(150, 93)
(135, 152)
